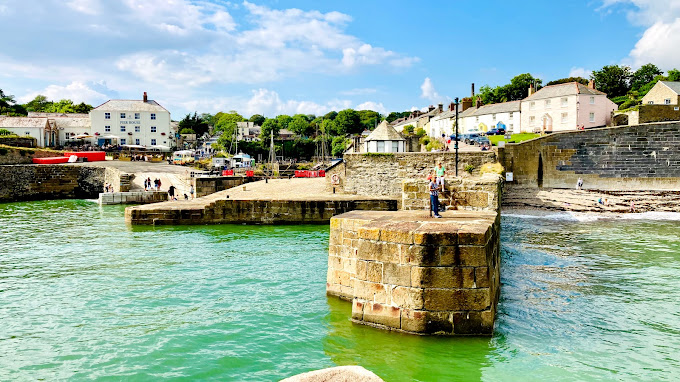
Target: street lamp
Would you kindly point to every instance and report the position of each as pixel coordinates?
(456, 140)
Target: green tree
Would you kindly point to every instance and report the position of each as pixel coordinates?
(347, 122)
(613, 80)
(339, 145)
(369, 119)
(300, 125)
(270, 125)
(193, 123)
(82, 108)
(6, 102)
(393, 116)
(408, 129)
(580, 80)
(226, 123)
(187, 130)
(283, 121)
(518, 88)
(673, 75)
(257, 119)
(38, 104)
(331, 115)
(644, 75)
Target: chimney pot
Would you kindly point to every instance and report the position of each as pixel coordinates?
(478, 104)
(591, 84)
(145, 98)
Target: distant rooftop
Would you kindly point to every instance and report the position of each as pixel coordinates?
(130, 105)
(673, 85)
(561, 90)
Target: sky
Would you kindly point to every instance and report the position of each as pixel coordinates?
(276, 57)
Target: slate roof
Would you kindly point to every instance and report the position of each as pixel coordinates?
(384, 132)
(6, 122)
(77, 122)
(496, 108)
(561, 90)
(467, 112)
(123, 105)
(673, 85)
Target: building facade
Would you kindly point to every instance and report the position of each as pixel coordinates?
(565, 107)
(384, 139)
(484, 118)
(663, 93)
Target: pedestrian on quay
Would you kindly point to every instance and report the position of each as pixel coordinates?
(579, 184)
(191, 191)
(440, 171)
(434, 195)
(159, 184)
(632, 206)
(171, 192)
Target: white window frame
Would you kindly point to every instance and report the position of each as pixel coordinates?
(565, 116)
(153, 115)
(137, 116)
(532, 105)
(122, 115)
(547, 104)
(493, 116)
(122, 128)
(667, 101)
(123, 141)
(511, 115)
(107, 129)
(592, 100)
(591, 117)
(153, 141)
(107, 115)
(650, 103)
(153, 129)
(378, 146)
(564, 101)
(532, 120)
(138, 129)
(136, 141)
(395, 146)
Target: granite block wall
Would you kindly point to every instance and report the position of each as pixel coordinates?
(641, 157)
(475, 193)
(40, 182)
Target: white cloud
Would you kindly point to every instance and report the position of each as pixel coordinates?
(370, 105)
(90, 7)
(660, 40)
(580, 72)
(75, 91)
(428, 91)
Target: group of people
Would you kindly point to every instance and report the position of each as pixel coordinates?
(108, 187)
(436, 185)
(149, 186)
(172, 189)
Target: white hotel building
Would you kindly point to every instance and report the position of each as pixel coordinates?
(134, 122)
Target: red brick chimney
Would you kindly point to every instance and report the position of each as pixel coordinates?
(466, 103)
(591, 84)
(478, 104)
(145, 99)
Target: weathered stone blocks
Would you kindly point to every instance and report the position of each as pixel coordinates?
(417, 274)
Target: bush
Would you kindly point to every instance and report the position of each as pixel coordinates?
(408, 129)
(424, 140)
(628, 104)
(434, 144)
(378, 154)
(420, 132)
(5, 132)
(469, 168)
(187, 131)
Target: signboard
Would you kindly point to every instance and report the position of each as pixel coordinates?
(507, 135)
(501, 143)
(508, 177)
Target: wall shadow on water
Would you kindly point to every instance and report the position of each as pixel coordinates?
(402, 357)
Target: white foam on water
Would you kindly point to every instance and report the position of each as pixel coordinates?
(586, 217)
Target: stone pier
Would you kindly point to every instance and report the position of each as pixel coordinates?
(406, 271)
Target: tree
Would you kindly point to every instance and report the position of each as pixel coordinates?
(613, 80)
(519, 87)
(82, 108)
(257, 119)
(38, 104)
(6, 102)
(300, 126)
(580, 80)
(673, 75)
(339, 145)
(393, 116)
(643, 76)
(283, 121)
(347, 122)
(369, 119)
(193, 123)
(270, 125)
(226, 123)
(187, 131)
(331, 115)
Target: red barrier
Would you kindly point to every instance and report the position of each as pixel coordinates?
(227, 172)
(92, 156)
(250, 173)
(322, 173)
(50, 160)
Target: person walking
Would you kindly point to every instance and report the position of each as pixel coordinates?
(579, 184)
(434, 196)
(191, 191)
(171, 192)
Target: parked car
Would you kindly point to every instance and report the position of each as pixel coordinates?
(468, 138)
(496, 131)
(479, 141)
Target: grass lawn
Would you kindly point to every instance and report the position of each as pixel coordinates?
(515, 138)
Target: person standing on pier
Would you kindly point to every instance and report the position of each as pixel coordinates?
(440, 171)
(434, 196)
(171, 192)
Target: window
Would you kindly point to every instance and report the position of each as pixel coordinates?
(138, 129)
(532, 120)
(676, 108)
(107, 128)
(511, 114)
(136, 115)
(122, 115)
(153, 115)
(511, 127)
(107, 115)
(494, 116)
(381, 146)
(667, 101)
(532, 105)
(136, 141)
(122, 128)
(27, 133)
(547, 104)
(591, 118)
(476, 119)
(123, 141)
(592, 100)
(153, 142)
(395, 146)
(650, 103)
(565, 101)
(564, 117)
(153, 129)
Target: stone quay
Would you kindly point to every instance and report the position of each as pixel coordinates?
(409, 272)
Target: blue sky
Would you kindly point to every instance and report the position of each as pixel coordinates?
(275, 57)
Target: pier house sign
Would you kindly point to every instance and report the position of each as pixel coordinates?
(130, 122)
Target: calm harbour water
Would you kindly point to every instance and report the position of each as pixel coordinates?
(83, 296)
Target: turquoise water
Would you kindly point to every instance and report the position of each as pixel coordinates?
(83, 296)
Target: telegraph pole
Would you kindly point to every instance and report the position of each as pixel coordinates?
(457, 137)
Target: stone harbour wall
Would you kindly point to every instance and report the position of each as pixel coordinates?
(253, 212)
(21, 155)
(382, 174)
(209, 185)
(405, 272)
(625, 158)
(132, 197)
(473, 193)
(41, 182)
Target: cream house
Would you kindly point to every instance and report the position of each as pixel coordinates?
(384, 139)
(663, 93)
(565, 107)
(484, 118)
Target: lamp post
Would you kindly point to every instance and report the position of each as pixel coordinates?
(457, 137)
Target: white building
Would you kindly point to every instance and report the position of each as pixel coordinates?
(565, 107)
(444, 123)
(484, 118)
(36, 127)
(135, 122)
(385, 139)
